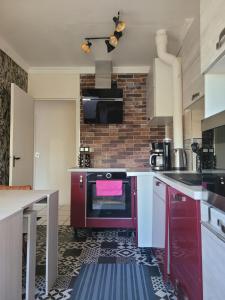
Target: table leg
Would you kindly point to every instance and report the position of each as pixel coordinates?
(11, 232)
(30, 218)
(52, 240)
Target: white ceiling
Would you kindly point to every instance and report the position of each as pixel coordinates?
(48, 33)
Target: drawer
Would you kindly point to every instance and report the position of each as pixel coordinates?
(217, 219)
(213, 261)
(205, 212)
(159, 188)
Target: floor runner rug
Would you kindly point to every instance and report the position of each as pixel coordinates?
(113, 282)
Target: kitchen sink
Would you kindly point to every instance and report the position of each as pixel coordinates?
(194, 179)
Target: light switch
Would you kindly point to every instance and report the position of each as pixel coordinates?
(37, 155)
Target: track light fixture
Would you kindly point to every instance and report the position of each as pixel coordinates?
(120, 25)
(86, 46)
(111, 41)
(109, 46)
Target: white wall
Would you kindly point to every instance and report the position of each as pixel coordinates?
(214, 94)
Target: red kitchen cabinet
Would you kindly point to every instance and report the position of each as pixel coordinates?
(78, 199)
(185, 244)
(134, 204)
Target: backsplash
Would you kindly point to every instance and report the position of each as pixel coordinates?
(127, 144)
(10, 72)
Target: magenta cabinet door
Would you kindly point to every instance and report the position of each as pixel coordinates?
(134, 204)
(78, 201)
(185, 244)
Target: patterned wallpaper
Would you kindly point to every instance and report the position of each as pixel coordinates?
(10, 72)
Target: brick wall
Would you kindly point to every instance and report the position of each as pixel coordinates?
(127, 144)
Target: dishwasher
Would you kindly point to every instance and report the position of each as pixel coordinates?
(213, 252)
(159, 246)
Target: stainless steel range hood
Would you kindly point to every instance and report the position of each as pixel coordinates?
(103, 74)
(103, 84)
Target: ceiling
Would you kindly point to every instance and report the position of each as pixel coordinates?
(48, 33)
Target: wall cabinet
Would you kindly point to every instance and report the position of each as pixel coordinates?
(192, 120)
(47, 86)
(185, 244)
(212, 32)
(193, 81)
(160, 93)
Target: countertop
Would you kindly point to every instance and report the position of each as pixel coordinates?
(129, 171)
(13, 201)
(195, 192)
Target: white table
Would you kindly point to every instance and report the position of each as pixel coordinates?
(12, 205)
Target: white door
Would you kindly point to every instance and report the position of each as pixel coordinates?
(55, 151)
(21, 138)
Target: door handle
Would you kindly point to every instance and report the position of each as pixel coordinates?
(194, 96)
(14, 159)
(179, 198)
(221, 39)
(221, 224)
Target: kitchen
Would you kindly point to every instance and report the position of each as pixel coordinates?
(162, 215)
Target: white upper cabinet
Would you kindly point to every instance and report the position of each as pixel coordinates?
(65, 86)
(160, 93)
(193, 81)
(212, 16)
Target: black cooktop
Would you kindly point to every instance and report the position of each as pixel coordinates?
(213, 182)
(193, 179)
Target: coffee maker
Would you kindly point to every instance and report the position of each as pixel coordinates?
(160, 155)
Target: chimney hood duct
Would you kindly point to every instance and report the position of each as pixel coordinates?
(103, 74)
(161, 43)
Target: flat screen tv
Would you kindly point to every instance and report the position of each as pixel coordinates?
(103, 108)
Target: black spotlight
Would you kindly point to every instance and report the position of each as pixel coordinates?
(109, 47)
(118, 34)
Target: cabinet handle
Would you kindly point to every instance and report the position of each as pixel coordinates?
(81, 181)
(221, 39)
(195, 96)
(221, 224)
(180, 198)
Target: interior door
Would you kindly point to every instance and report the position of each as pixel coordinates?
(55, 146)
(21, 138)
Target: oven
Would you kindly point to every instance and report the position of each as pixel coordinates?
(108, 195)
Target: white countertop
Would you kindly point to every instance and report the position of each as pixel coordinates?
(195, 192)
(129, 171)
(13, 201)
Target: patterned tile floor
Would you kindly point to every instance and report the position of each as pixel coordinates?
(105, 246)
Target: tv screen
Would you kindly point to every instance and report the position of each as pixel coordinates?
(98, 111)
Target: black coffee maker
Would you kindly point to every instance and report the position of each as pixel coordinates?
(160, 155)
(167, 154)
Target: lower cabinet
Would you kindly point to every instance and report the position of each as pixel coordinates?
(78, 200)
(185, 244)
